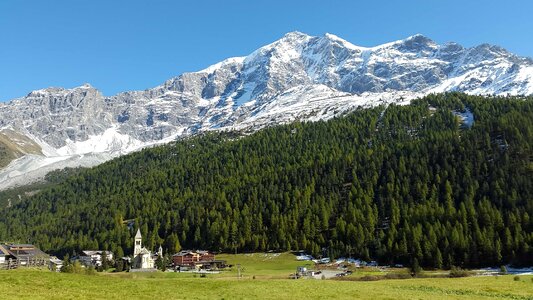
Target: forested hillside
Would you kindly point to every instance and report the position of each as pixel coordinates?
(395, 184)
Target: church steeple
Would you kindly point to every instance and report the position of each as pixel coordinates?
(137, 245)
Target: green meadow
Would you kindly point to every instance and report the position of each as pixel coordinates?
(264, 276)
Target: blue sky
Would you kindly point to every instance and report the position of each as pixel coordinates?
(132, 44)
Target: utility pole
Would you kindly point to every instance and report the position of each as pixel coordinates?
(239, 270)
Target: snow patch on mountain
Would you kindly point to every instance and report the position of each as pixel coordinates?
(110, 141)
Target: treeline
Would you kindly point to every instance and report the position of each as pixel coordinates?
(401, 184)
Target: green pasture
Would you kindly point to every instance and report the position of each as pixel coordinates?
(264, 276)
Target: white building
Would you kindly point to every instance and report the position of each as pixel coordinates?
(55, 264)
(94, 257)
(142, 257)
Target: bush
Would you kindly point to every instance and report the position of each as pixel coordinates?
(397, 276)
(120, 266)
(503, 270)
(90, 271)
(75, 267)
(370, 278)
(458, 272)
(416, 270)
(516, 278)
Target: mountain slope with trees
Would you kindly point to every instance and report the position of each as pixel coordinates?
(405, 184)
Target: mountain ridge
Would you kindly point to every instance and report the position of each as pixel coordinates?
(298, 77)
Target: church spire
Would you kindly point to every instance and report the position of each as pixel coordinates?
(137, 244)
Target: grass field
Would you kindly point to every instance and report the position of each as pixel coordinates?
(263, 265)
(270, 282)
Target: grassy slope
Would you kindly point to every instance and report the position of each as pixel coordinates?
(6, 154)
(14, 145)
(263, 265)
(36, 284)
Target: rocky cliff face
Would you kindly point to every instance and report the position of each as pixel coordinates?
(296, 77)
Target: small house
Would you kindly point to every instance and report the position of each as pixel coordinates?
(55, 264)
(205, 255)
(94, 257)
(25, 254)
(4, 255)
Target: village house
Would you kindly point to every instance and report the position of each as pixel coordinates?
(199, 259)
(94, 257)
(23, 255)
(205, 255)
(4, 255)
(55, 264)
(185, 258)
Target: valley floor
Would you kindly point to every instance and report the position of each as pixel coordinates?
(264, 276)
(40, 284)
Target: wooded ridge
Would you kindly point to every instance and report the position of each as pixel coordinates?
(401, 184)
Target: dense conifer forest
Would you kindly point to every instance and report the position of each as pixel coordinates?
(405, 184)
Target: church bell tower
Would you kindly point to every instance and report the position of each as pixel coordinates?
(138, 243)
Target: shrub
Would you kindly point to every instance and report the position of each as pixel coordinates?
(90, 271)
(120, 266)
(397, 276)
(516, 278)
(370, 278)
(75, 267)
(416, 270)
(458, 272)
(503, 270)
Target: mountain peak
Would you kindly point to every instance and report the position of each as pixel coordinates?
(489, 48)
(295, 34)
(292, 38)
(85, 86)
(341, 41)
(333, 37)
(419, 37)
(297, 77)
(416, 43)
(420, 40)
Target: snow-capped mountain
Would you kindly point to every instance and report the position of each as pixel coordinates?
(298, 77)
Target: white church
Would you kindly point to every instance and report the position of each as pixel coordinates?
(143, 260)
